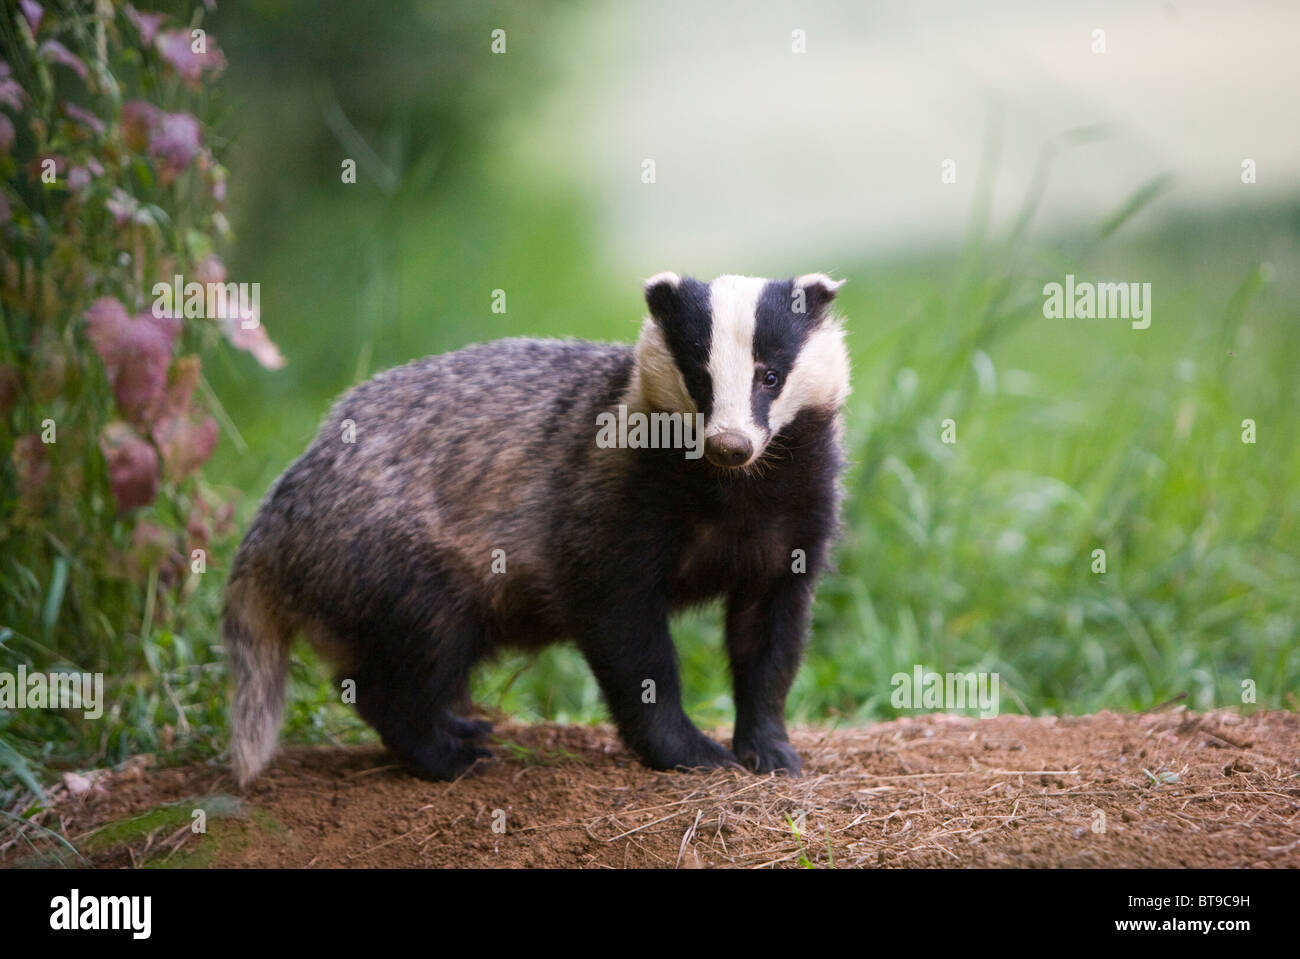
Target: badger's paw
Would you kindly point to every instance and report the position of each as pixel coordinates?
(470, 728)
(705, 754)
(686, 751)
(769, 756)
(450, 756)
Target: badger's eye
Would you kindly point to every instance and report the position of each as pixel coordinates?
(771, 379)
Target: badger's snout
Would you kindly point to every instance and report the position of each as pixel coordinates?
(728, 449)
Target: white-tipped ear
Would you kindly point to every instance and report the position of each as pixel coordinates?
(661, 296)
(660, 279)
(819, 290)
(810, 280)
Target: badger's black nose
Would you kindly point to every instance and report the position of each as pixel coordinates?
(728, 449)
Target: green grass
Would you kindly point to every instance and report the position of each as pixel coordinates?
(978, 555)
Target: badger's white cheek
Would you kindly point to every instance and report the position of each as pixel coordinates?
(657, 383)
(819, 379)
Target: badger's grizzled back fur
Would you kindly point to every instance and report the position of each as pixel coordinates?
(462, 503)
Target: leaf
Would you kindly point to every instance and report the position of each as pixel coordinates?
(54, 598)
(14, 761)
(1134, 204)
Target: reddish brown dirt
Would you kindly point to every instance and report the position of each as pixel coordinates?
(1172, 789)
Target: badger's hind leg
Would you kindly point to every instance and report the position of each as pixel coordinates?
(409, 683)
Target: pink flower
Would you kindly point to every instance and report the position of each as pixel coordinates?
(11, 94)
(177, 49)
(210, 269)
(255, 341)
(105, 321)
(185, 445)
(33, 12)
(84, 117)
(122, 205)
(208, 518)
(136, 352)
(171, 139)
(6, 134)
(132, 466)
(78, 179)
(146, 23)
(55, 52)
(173, 142)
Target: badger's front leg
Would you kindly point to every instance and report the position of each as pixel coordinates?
(766, 625)
(631, 653)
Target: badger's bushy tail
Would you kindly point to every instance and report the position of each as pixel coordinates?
(258, 646)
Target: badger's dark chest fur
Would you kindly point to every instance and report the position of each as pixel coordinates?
(711, 555)
(713, 531)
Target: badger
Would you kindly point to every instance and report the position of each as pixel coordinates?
(460, 504)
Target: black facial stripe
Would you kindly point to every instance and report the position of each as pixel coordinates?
(688, 332)
(779, 335)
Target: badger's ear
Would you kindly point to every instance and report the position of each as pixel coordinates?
(818, 291)
(661, 295)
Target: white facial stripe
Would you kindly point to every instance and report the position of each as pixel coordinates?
(657, 383)
(733, 301)
(819, 378)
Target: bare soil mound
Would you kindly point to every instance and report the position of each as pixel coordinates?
(1172, 789)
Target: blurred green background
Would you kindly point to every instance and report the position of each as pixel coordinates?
(1073, 435)
(523, 171)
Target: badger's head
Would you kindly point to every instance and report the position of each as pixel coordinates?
(747, 353)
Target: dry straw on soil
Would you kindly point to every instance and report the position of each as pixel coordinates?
(1172, 788)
